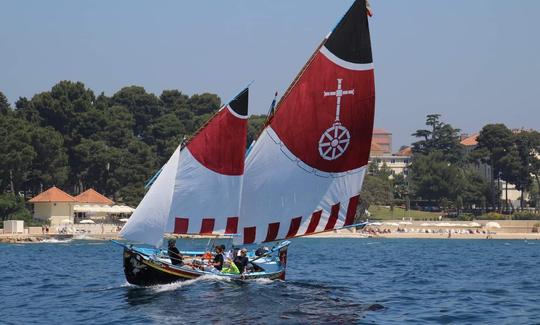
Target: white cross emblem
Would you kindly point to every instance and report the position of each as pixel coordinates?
(335, 140)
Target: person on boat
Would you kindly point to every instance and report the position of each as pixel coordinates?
(241, 261)
(174, 253)
(217, 263)
(230, 267)
(261, 251)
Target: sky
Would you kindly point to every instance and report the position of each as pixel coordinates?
(473, 61)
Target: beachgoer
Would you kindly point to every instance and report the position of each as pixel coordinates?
(174, 253)
(218, 259)
(47, 230)
(241, 261)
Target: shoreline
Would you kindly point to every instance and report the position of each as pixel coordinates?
(38, 238)
(398, 235)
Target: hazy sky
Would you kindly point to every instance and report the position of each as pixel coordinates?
(474, 61)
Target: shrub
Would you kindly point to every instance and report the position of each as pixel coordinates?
(525, 216)
(492, 216)
(465, 217)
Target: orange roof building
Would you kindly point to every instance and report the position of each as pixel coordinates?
(57, 207)
(407, 151)
(470, 140)
(92, 196)
(54, 194)
(383, 140)
(376, 150)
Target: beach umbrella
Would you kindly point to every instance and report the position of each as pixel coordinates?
(123, 220)
(492, 224)
(87, 221)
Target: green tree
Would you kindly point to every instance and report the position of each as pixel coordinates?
(439, 137)
(255, 126)
(5, 109)
(144, 107)
(50, 165)
(433, 178)
(16, 153)
(494, 144)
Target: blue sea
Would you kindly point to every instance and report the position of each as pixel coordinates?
(329, 281)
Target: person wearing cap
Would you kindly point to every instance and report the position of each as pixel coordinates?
(241, 261)
(174, 253)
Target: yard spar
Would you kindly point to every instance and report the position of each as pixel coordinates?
(305, 172)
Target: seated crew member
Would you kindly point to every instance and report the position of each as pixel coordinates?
(218, 259)
(174, 253)
(241, 261)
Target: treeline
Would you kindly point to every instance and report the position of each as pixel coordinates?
(445, 174)
(74, 139)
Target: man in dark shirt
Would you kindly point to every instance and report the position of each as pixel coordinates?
(174, 253)
(218, 259)
(242, 261)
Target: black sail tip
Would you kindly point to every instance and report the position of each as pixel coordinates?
(350, 39)
(240, 103)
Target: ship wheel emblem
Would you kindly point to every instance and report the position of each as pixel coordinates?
(335, 140)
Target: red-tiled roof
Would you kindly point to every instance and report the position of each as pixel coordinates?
(91, 196)
(470, 140)
(54, 194)
(376, 150)
(380, 131)
(405, 152)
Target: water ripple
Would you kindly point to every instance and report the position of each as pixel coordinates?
(376, 282)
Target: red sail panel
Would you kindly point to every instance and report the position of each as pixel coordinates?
(324, 140)
(314, 222)
(294, 226)
(207, 226)
(332, 219)
(351, 210)
(220, 146)
(232, 225)
(181, 225)
(272, 233)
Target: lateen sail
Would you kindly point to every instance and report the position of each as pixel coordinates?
(305, 172)
(198, 189)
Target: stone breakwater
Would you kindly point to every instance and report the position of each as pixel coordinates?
(25, 238)
(15, 238)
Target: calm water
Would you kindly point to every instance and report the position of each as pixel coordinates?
(364, 281)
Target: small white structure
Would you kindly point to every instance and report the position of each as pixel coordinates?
(13, 227)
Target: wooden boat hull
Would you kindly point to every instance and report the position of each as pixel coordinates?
(142, 270)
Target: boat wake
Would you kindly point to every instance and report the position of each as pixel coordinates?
(56, 241)
(180, 284)
(263, 281)
(83, 237)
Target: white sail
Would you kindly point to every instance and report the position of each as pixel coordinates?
(305, 172)
(147, 223)
(198, 190)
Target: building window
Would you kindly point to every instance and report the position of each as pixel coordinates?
(392, 161)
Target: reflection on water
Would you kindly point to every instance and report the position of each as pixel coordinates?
(342, 281)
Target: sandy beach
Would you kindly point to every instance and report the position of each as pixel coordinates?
(497, 235)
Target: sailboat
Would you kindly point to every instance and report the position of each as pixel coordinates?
(302, 176)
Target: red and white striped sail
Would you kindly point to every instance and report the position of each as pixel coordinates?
(198, 189)
(305, 172)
